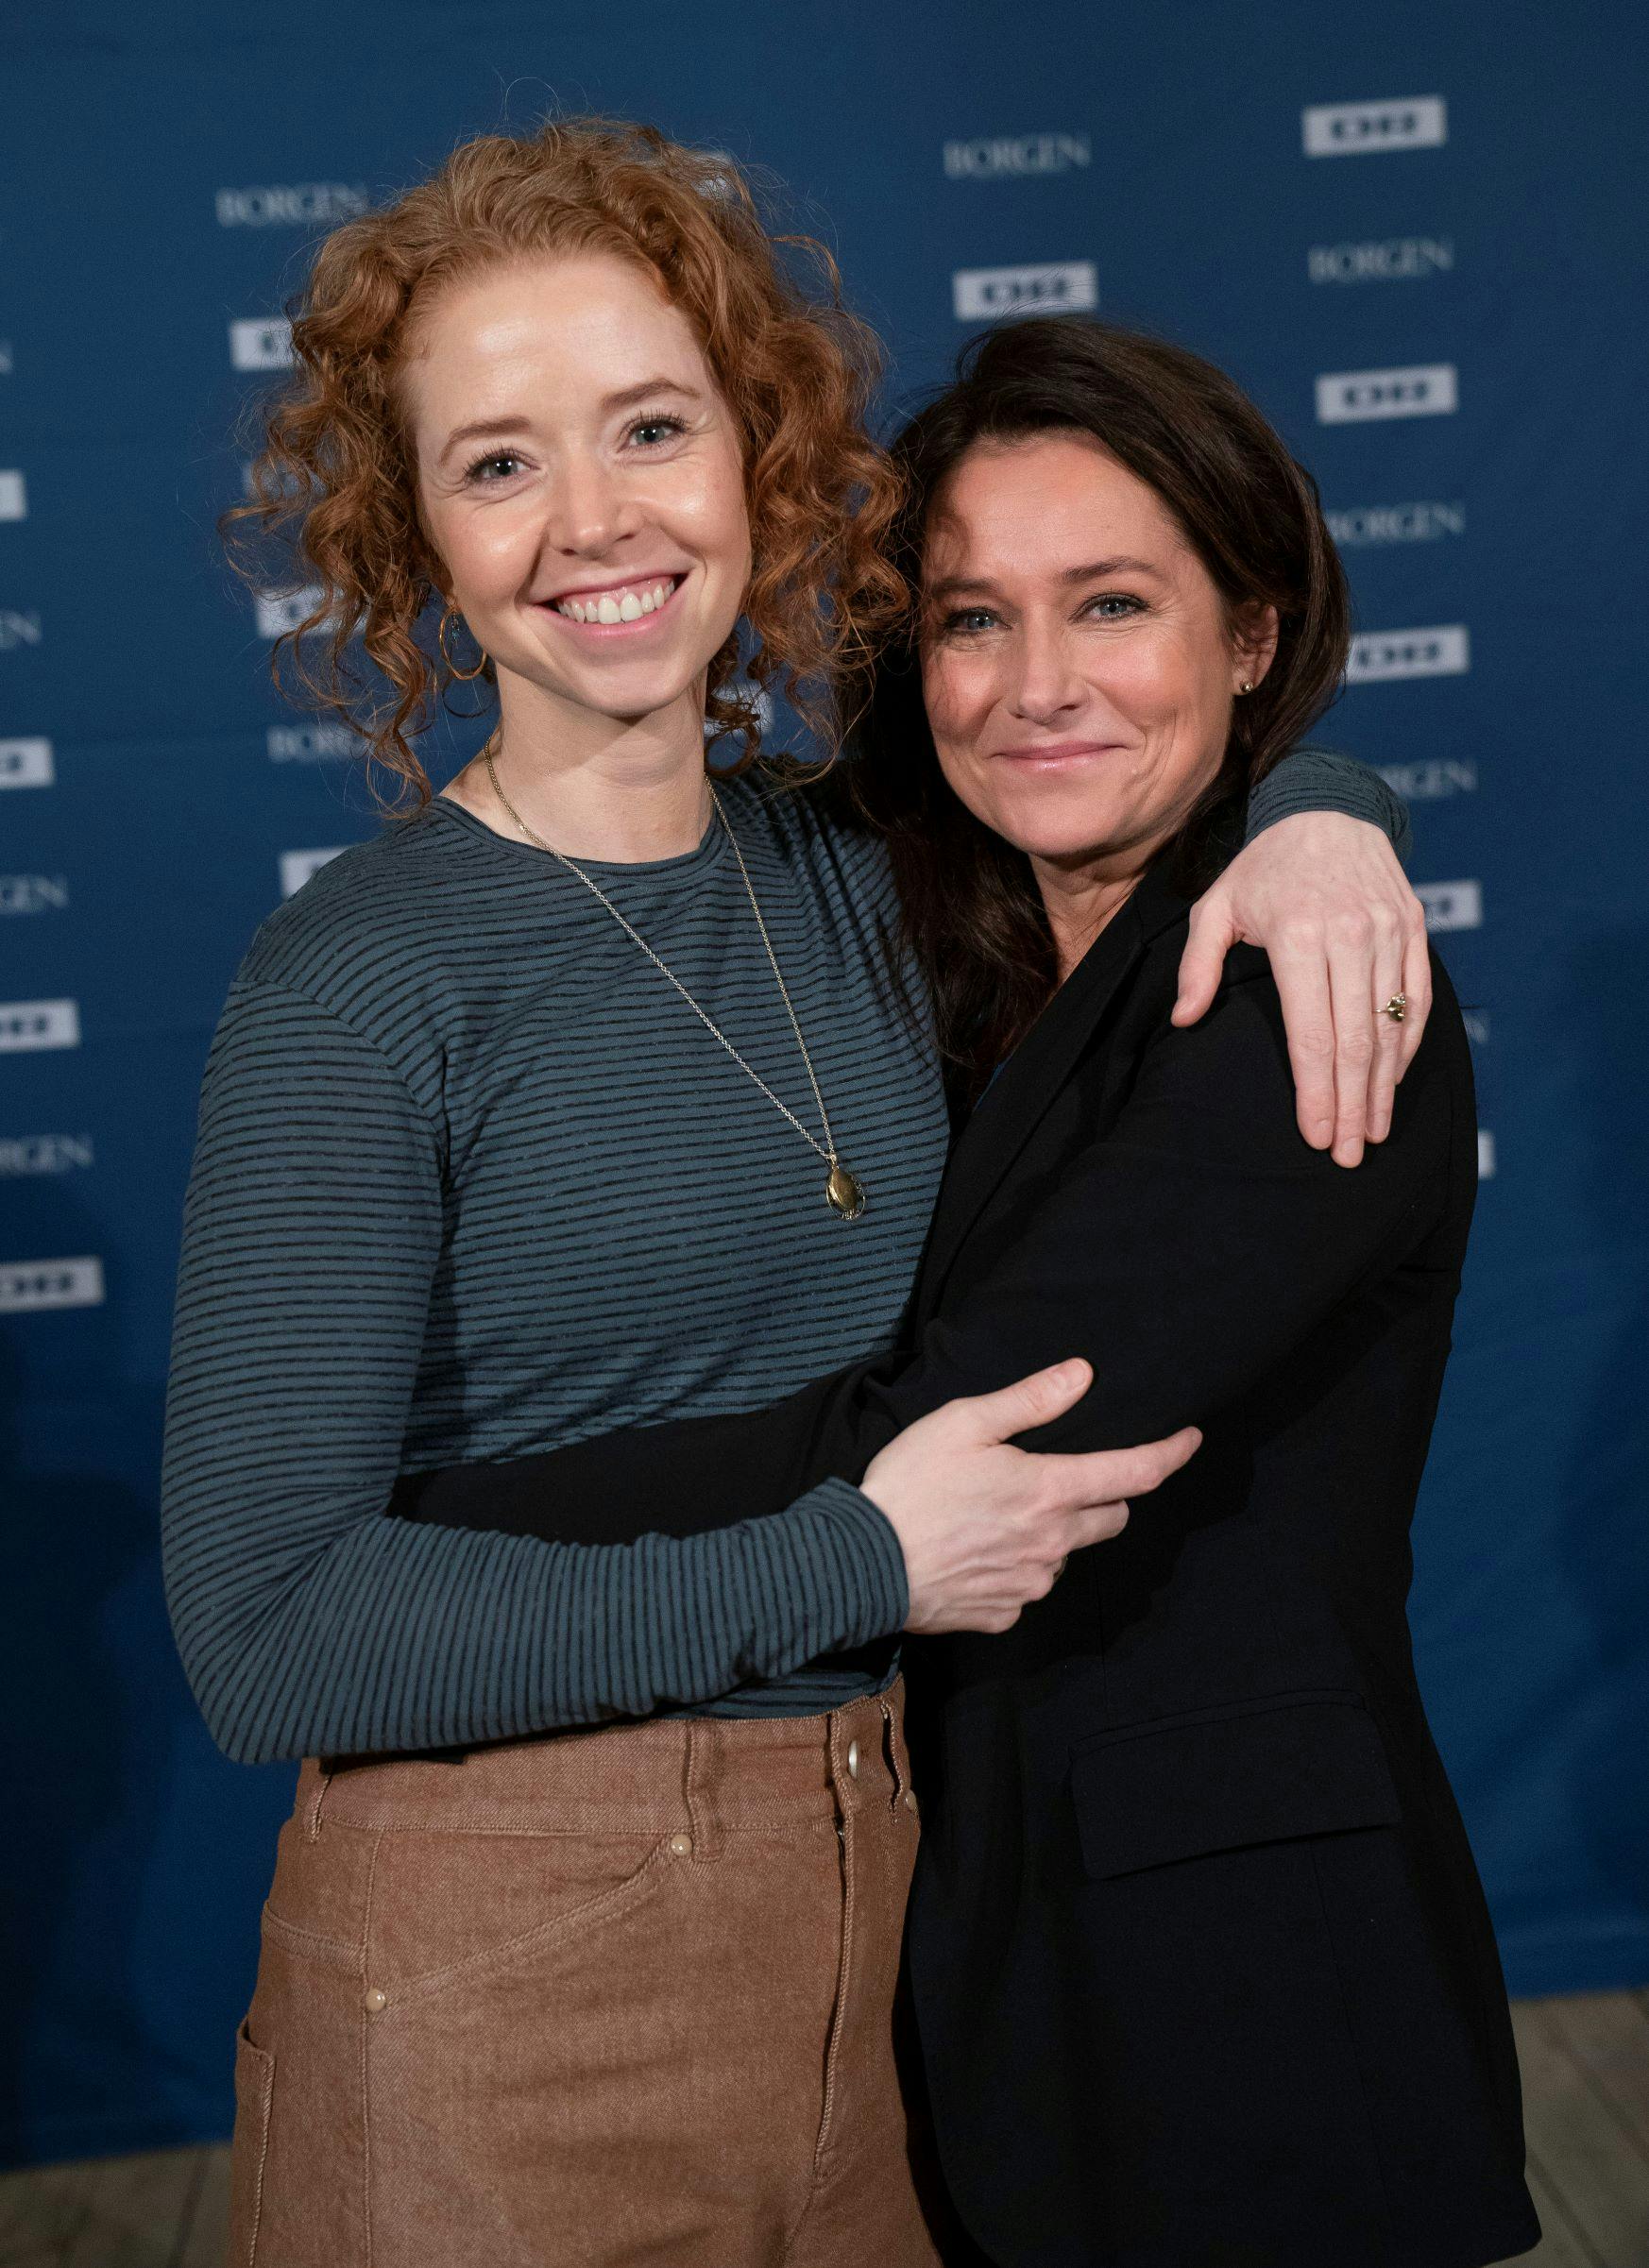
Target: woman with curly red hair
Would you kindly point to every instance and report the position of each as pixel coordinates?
(575, 1102)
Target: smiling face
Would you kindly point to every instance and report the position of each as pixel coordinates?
(580, 478)
(1078, 667)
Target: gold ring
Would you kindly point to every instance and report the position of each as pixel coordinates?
(1396, 1008)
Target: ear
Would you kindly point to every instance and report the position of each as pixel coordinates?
(1254, 636)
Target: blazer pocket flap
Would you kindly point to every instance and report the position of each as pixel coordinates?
(1151, 1794)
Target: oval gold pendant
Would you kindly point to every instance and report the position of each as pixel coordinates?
(844, 1191)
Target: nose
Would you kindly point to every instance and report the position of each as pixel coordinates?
(589, 512)
(1043, 683)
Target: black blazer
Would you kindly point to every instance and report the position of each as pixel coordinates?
(1202, 1970)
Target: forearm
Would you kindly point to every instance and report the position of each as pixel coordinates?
(309, 1620)
(1321, 779)
(399, 1636)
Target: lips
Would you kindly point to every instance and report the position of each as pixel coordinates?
(1059, 752)
(616, 603)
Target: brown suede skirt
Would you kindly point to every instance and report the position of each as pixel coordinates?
(619, 1996)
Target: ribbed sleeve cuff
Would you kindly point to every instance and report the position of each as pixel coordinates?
(873, 1559)
(1317, 779)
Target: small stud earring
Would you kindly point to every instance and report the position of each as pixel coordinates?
(1247, 686)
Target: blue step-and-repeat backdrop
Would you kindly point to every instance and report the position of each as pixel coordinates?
(1414, 232)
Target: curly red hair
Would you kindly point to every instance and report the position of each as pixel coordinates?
(334, 485)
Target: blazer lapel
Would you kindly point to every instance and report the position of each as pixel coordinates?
(1009, 1111)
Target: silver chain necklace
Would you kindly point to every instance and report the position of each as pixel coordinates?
(843, 1190)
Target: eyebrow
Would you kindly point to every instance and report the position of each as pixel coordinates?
(1093, 570)
(628, 398)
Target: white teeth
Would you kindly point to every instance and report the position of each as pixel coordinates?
(617, 607)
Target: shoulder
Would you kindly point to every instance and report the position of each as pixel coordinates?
(385, 936)
(1248, 992)
(1246, 1002)
(808, 818)
(1242, 1042)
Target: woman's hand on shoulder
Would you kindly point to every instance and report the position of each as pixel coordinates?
(1326, 898)
(984, 1527)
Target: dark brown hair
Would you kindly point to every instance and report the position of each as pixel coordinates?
(334, 485)
(973, 919)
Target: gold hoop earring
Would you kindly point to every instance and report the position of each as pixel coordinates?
(461, 677)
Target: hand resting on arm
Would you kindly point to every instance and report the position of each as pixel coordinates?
(986, 1527)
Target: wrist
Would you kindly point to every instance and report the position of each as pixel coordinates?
(863, 1533)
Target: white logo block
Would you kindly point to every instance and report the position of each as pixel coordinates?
(1451, 905)
(257, 343)
(26, 764)
(31, 1286)
(1379, 655)
(298, 866)
(1358, 397)
(1055, 288)
(1350, 129)
(13, 496)
(26, 1025)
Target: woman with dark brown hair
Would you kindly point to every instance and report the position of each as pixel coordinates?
(1201, 1964)
(577, 1102)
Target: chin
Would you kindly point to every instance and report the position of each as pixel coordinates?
(1061, 838)
(624, 694)
(628, 697)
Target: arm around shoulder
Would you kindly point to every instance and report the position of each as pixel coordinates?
(1192, 1243)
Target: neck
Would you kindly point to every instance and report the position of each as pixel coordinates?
(1080, 900)
(623, 790)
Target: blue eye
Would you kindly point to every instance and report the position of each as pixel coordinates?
(966, 622)
(650, 432)
(1119, 600)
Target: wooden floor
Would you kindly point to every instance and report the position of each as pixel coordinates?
(1585, 2087)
